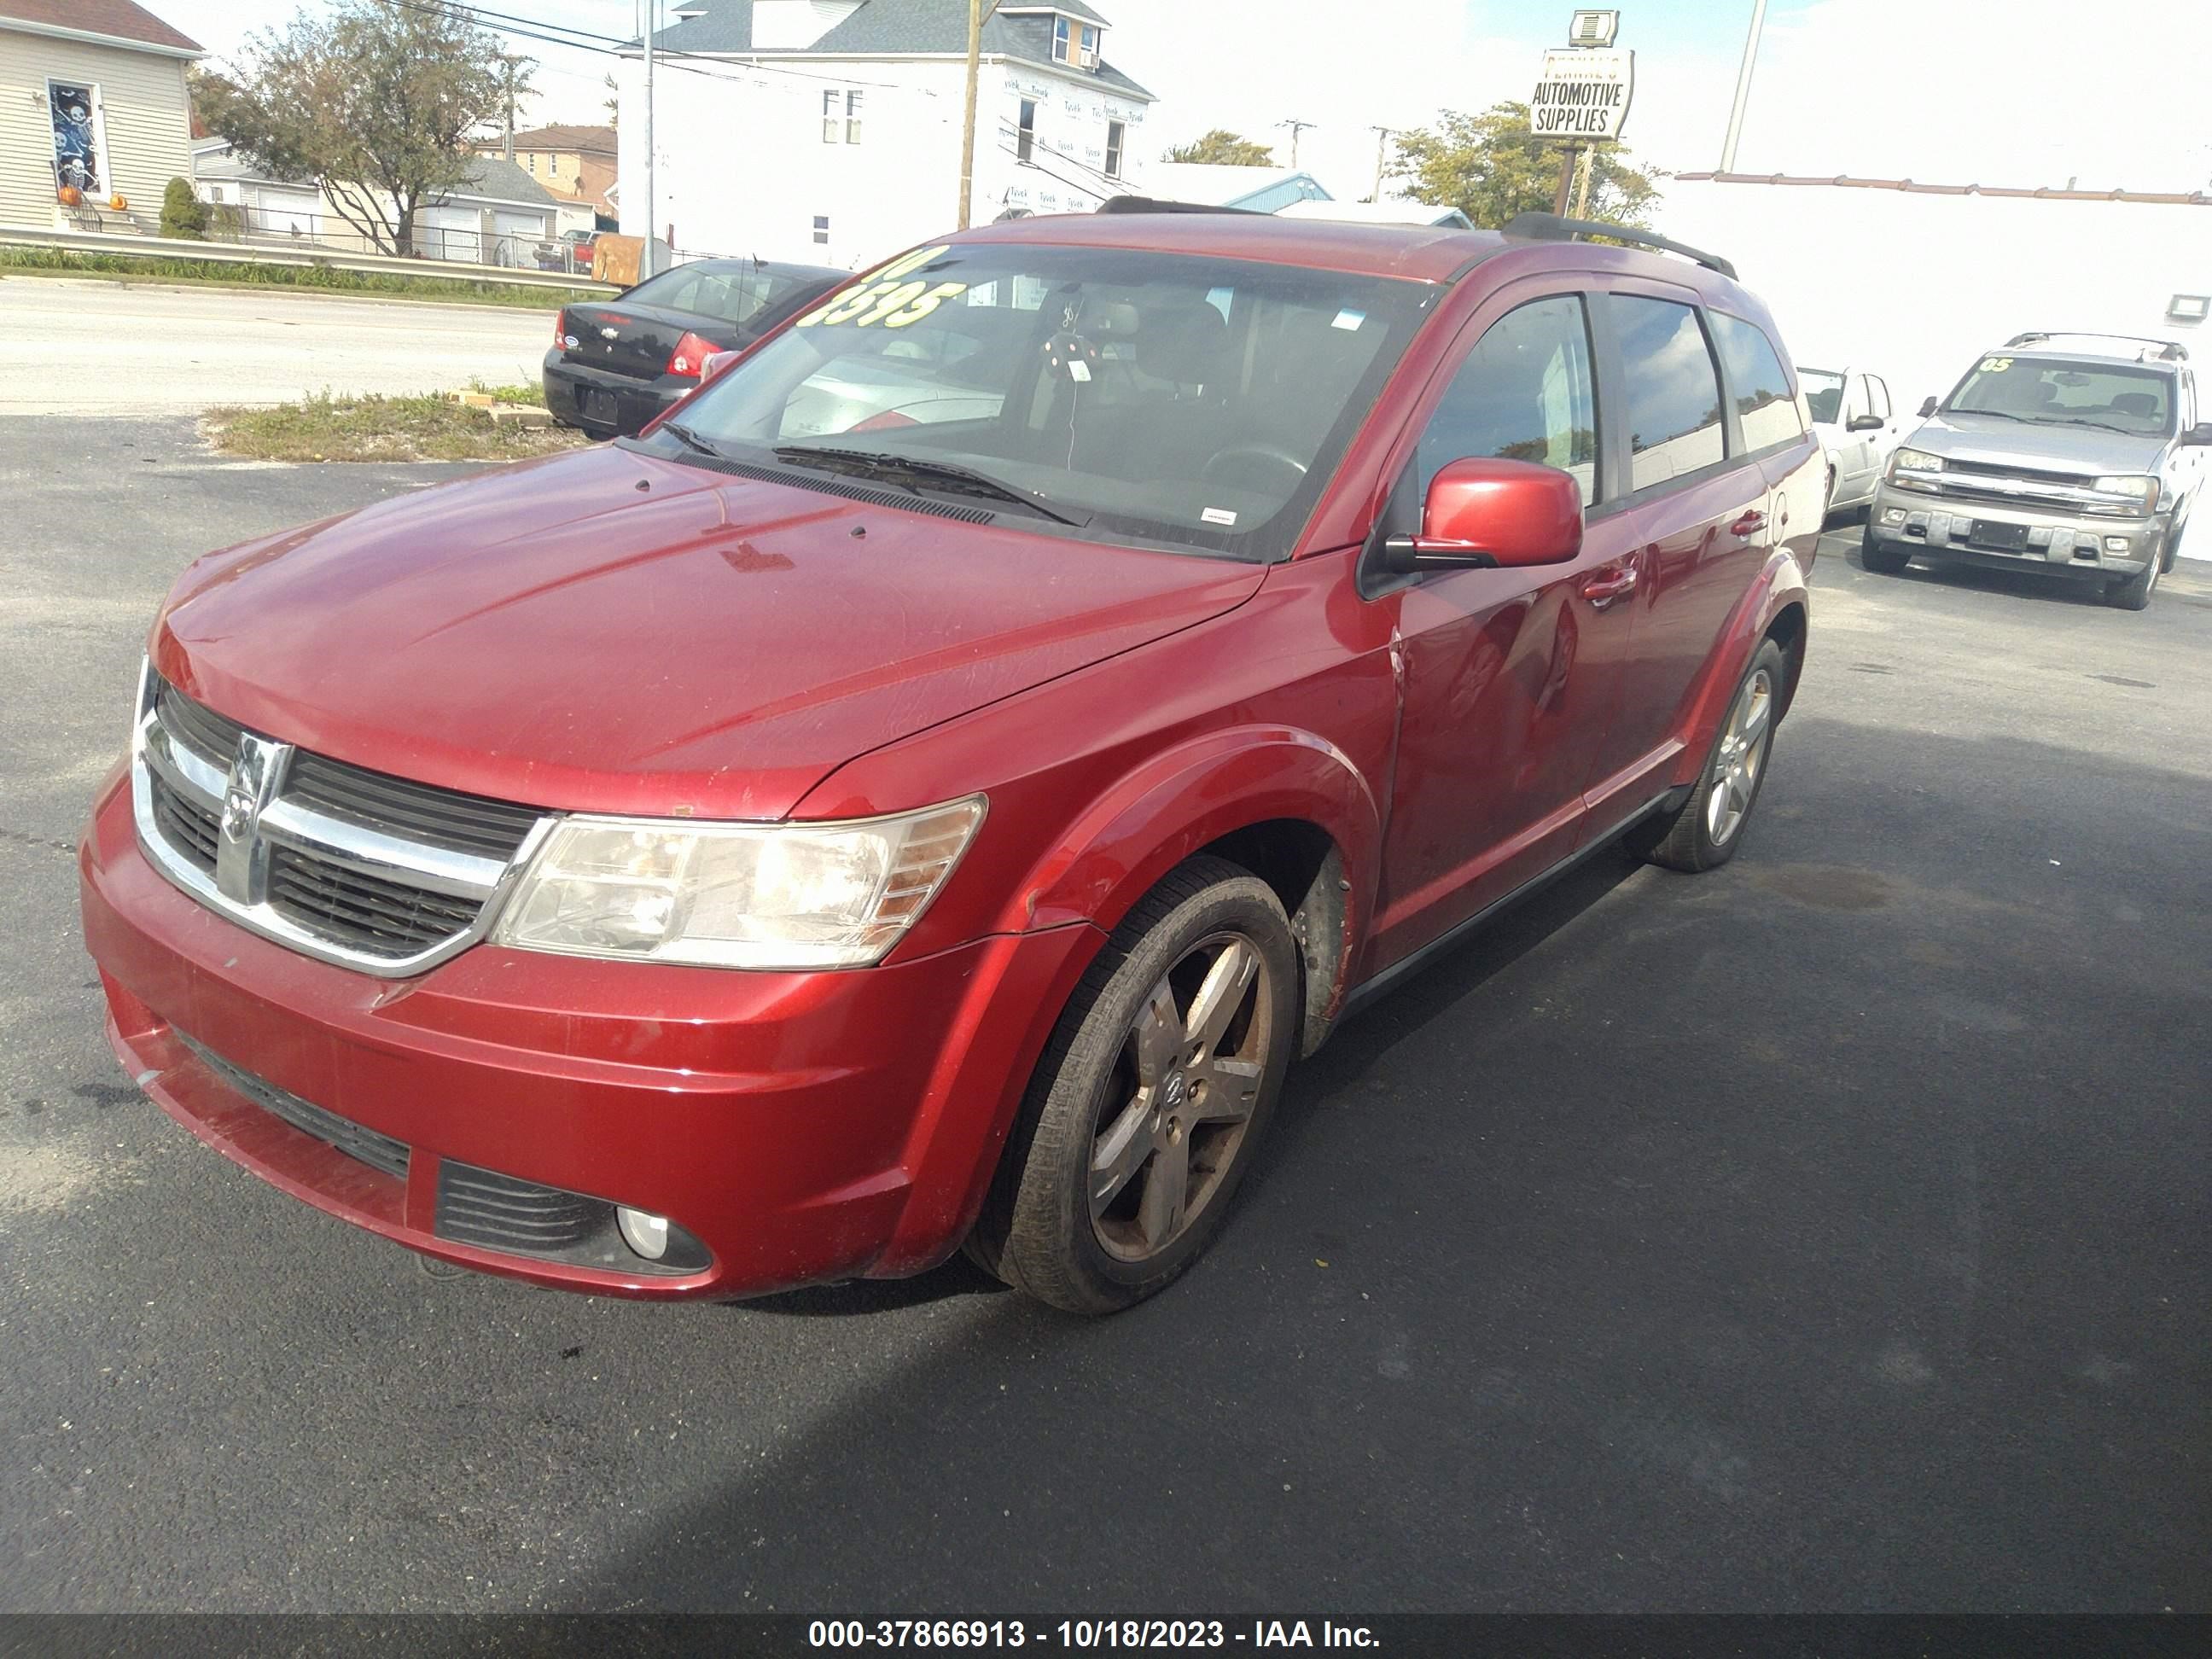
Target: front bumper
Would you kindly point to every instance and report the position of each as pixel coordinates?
(605, 404)
(801, 1126)
(2078, 545)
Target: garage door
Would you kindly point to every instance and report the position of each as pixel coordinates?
(449, 232)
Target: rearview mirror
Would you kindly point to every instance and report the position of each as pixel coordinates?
(1484, 514)
(2200, 434)
(1927, 408)
(1866, 423)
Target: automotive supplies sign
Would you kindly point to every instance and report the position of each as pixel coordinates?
(1583, 93)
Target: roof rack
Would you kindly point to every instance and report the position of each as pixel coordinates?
(1551, 228)
(1154, 204)
(2169, 350)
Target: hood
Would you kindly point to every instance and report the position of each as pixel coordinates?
(1998, 442)
(607, 632)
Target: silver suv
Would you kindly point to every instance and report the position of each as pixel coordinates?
(2081, 460)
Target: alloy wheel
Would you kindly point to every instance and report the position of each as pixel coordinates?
(1174, 1115)
(1742, 755)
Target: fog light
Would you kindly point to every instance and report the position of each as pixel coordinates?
(2116, 544)
(1892, 515)
(646, 1234)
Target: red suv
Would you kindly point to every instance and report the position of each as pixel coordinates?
(931, 786)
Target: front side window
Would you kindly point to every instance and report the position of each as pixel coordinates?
(1674, 390)
(2057, 391)
(1823, 393)
(1194, 402)
(1877, 396)
(1025, 131)
(1764, 404)
(1525, 393)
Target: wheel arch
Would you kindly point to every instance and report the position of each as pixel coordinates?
(1777, 606)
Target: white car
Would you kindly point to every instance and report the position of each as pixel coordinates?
(1857, 426)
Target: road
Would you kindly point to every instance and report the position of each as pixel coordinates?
(72, 346)
(1828, 1232)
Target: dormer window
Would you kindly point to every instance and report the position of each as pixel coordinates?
(1074, 43)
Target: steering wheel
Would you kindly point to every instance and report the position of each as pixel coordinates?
(1223, 459)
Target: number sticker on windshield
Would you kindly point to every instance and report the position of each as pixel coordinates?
(1996, 365)
(887, 297)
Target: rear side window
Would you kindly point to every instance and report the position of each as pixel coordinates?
(1763, 402)
(1525, 393)
(1674, 390)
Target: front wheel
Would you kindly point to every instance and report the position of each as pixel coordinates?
(2133, 593)
(1145, 1111)
(1878, 556)
(1707, 829)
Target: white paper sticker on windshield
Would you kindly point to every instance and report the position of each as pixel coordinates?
(1218, 516)
(1351, 319)
(1078, 370)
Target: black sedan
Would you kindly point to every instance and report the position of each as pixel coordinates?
(617, 363)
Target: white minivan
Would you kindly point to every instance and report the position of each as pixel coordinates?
(1858, 426)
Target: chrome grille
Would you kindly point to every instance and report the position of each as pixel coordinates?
(358, 867)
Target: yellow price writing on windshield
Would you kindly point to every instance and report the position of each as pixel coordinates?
(886, 296)
(1996, 365)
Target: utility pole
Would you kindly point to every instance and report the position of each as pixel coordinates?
(1295, 127)
(646, 260)
(968, 119)
(1382, 137)
(1743, 85)
(510, 71)
(1583, 173)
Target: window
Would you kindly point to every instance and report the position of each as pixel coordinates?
(1525, 393)
(2056, 391)
(80, 145)
(1823, 392)
(851, 118)
(1877, 396)
(1674, 390)
(1088, 55)
(1762, 401)
(822, 228)
(1115, 134)
(1062, 28)
(1109, 383)
(830, 118)
(1025, 131)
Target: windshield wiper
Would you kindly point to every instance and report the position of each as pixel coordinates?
(1994, 413)
(913, 472)
(2099, 426)
(691, 440)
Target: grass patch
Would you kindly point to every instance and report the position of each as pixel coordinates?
(324, 279)
(532, 395)
(424, 428)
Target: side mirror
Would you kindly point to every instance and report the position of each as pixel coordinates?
(2199, 433)
(1927, 408)
(1866, 423)
(1483, 515)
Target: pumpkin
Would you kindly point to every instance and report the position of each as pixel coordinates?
(116, 202)
(72, 196)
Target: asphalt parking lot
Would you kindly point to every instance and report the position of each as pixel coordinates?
(1825, 1233)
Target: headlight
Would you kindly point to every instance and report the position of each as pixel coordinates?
(1914, 460)
(2141, 486)
(788, 895)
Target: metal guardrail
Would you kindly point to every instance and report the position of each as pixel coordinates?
(295, 255)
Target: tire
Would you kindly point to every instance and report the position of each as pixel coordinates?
(2171, 550)
(2133, 593)
(1702, 836)
(1119, 1105)
(1882, 560)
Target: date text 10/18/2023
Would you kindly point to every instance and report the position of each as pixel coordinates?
(1084, 1634)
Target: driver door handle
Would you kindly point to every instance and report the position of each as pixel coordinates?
(1608, 583)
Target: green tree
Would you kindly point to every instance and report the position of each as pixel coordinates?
(1491, 167)
(183, 214)
(1223, 148)
(374, 103)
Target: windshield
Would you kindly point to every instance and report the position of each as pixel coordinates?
(2057, 391)
(1823, 393)
(731, 293)
(1192, 402)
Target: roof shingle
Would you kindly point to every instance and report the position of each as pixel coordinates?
(124, 19)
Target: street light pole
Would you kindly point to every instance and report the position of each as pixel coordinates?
(652, 16)
(1743, 85)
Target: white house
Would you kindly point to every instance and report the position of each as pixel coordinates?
(498, 216)
(829, 130)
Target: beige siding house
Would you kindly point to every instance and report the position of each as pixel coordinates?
(92, 94)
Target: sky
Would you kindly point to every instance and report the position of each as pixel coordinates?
(2006, 92)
